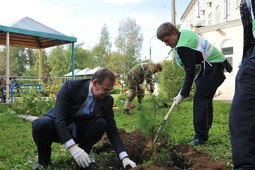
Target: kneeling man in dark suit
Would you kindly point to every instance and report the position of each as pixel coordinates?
(82, 113)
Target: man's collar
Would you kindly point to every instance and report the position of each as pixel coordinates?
(90, 91)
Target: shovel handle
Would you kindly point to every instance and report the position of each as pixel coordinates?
(170, 110)
(164, 121)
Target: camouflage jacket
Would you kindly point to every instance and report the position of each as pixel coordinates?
(143, 71)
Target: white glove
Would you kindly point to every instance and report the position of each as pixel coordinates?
(80, 156)
(127, 161)
(178, 99)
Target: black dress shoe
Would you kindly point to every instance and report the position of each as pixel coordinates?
(127, 112)
(196, 142)
(36, 166)
(93, 161)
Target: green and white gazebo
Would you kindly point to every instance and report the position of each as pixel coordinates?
(29, 33)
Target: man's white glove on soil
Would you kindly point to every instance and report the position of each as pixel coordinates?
(80, 156)
(178, 99)
(127, 161)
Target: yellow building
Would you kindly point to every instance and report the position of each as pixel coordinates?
(219, 22)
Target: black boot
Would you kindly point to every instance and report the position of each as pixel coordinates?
(126, 111)
(197, 142)
(36, 166)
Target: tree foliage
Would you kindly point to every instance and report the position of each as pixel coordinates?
(115, 61)
(83, 58)
(103, 48)
(18, 60)
(33, 65)
(170, 80)
(2, 62)
(129, 42)
(59, 61)
(23, 61)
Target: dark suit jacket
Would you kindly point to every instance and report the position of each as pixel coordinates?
(70, 100)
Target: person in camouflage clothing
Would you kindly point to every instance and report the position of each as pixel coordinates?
(136, 77)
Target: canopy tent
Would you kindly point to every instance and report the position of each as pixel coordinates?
(31, 34)
(91, 72)
(71, 73)
(83, 72)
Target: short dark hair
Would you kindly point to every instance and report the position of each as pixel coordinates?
(159, 66)
(166, 29)
(101, 74)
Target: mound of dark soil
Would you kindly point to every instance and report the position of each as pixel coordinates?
(140, 150)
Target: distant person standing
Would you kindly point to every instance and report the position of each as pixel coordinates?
(242, 112)
(136, 77)
(204, 64)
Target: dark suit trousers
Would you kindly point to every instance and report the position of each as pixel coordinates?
(44, 134)
(242, 114)
(206, 85)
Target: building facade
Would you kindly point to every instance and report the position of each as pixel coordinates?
(219, 22)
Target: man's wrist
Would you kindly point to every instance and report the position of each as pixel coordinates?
(123, 155)
(69, 143)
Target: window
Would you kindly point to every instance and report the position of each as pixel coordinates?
(227, 50)
(202, 7)
(226, 9)
(217, 14)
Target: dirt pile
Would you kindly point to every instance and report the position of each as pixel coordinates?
(140, 150)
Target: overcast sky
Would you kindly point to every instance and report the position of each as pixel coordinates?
(84, 19)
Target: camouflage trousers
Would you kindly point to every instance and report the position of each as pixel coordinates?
(135, 88)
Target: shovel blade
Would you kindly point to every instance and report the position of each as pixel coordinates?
(159, 130)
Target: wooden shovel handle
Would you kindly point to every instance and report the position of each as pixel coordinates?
(170, 110)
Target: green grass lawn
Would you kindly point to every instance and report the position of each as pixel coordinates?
(18, 151)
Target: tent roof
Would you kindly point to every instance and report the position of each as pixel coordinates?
(75, 71)
(91, 72)
(82, 72)
(32, 34)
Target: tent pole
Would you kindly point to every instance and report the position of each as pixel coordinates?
(40, 66)
(72, 61)
(7, 67)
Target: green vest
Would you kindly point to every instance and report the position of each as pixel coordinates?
(194, 41)
(250, 8)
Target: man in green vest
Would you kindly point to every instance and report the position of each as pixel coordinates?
(136, 77)
(202, 63)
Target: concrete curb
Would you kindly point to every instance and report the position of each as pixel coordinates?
(28, 118)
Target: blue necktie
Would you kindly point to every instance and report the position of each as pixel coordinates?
(87, 110)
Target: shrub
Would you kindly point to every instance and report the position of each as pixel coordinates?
(36, 103)
(171, 80)
(51, 89)
(32, 103)
(116, 90)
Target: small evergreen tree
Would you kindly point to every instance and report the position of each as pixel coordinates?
(171, 80)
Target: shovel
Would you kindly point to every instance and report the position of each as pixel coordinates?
(164, 121)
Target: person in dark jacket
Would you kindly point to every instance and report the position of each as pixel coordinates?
(242, 112)
(204, 64)
(82, 114)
